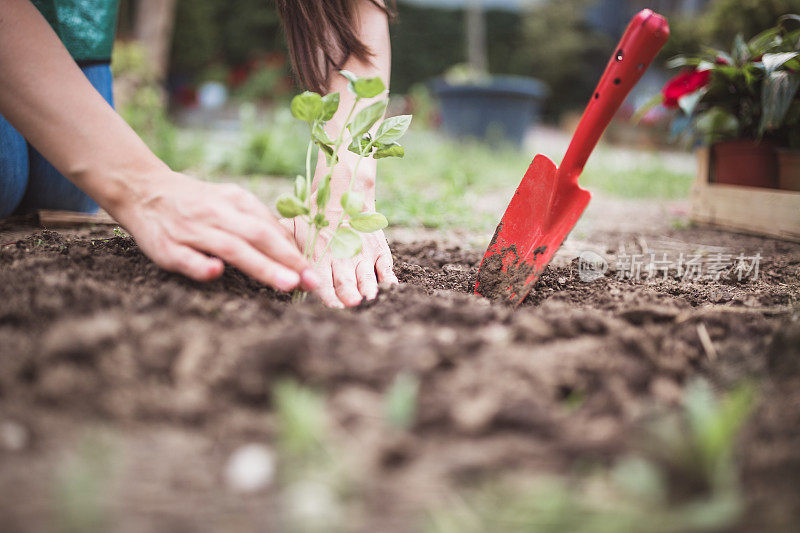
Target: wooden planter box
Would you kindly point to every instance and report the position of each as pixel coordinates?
(761, 211)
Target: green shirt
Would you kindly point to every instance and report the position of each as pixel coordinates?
(86, 27)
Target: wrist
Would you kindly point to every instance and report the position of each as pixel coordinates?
(120, 188)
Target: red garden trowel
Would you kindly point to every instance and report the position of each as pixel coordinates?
(548, 201)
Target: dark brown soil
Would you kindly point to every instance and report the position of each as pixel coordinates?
(92, 334)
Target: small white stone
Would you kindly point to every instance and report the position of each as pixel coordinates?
(13, 436)
(562, 280)
(250, 468)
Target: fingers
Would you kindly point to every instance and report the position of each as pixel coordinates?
(344, 282)
(253, 223)
(249, 260)
(366, 280)
(383, 267)
(191, 263)
(268, 237)
(325, 290)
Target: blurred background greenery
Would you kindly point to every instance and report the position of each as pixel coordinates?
(209, 95)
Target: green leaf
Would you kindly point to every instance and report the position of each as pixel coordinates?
(353, 202)
(345, 243)
(368, 87)
(400, 402)
(688, 102)
(368, 222)
(320, 135)
(390, 150)
(320, 221)
(328, 152)
(300, 187)
(740, 52)
(331, 157)
(772, 62)
(290, 206)
(330, 104)
(301, 418)
(307, 106)
(358, 147)
(777, 94)
(352, 78)
(705, 65)
(324, 193)
(682, 61)
(392, 129)
(763, 40)
(717, 124)
(365, 118)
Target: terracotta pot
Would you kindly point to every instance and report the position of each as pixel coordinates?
(744, 162)
(789, 169)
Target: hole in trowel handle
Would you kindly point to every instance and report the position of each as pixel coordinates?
(620, 54)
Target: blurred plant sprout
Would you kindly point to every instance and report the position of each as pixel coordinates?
(301, 423)
(316, 111)
(637, 494)
(400, 402)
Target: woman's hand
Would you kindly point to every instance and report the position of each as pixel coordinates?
(346, 282)
(190, 226)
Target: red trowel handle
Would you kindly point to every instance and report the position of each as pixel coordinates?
(646, 34)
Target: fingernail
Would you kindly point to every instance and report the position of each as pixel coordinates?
(286, 280)
(310, 279)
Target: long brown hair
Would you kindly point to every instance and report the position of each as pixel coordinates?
(322, 35)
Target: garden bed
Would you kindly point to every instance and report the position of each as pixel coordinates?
(170, 377)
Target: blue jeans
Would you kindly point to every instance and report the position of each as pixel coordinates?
(27, 181)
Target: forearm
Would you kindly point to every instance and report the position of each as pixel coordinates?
(46, 97)
(374, 32)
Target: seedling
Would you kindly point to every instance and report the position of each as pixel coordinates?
(400, 402)
(344, 239)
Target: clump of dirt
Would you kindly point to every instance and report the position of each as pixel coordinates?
(90, 329)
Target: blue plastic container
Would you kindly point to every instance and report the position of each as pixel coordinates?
(502, 107)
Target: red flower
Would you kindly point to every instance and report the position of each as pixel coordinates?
(684, 83)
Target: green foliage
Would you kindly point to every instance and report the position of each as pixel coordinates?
(637, 494)
(345, 243)
(464, 184)
(400, 402)
(314, 483)
(263, 84)
(368, 222)
(427, 41)
(753, 87)
(724, 19)
(143, 108)
(82, 482)
(301, 419)
(315, 111)
(698, 447)
(562, 50)
(214, 31)
(272, 145)
(291, 206)
(720, 22)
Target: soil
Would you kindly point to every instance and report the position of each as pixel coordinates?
(96, 338)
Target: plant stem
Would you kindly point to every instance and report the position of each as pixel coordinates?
(336, 145)
(308, 171)
(308, 251)
(313, 241)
